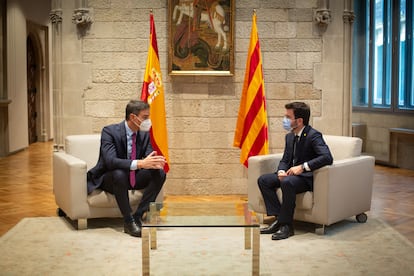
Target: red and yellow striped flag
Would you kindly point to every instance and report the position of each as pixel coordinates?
(251, 134)
(153, 93)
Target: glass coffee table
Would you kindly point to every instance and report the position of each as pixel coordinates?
(200, 214)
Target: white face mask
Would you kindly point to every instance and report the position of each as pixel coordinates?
(145, 125)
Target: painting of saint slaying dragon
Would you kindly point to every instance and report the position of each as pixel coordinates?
(200, 35)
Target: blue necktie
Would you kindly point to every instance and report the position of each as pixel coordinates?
(294, 149)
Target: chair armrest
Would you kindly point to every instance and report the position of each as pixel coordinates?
(343, 189)
(69, 185)
(259, 165)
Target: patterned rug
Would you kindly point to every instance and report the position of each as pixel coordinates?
(51, 246)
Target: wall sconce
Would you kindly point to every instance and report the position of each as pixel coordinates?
(82, 17)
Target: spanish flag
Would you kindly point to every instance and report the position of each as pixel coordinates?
(251, 134)
(153, 93)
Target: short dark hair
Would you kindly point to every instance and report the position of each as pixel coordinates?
(300, 110)
(135, 107)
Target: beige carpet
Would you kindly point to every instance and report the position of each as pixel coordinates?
(50, 246)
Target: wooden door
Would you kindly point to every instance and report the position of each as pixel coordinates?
(31, 91)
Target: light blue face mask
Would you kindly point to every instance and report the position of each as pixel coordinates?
(286, 124)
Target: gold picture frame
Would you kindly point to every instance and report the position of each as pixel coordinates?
(201, 37)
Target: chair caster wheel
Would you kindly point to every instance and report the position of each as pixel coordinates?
(361, 218)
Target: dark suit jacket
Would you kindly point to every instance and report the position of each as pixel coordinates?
(311, 148)
(113, 153)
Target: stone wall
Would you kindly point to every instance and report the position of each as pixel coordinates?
(377, 140)
(104, 69)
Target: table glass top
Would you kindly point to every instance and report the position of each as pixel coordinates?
(200, 214)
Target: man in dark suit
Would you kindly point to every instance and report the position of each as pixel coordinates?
(117, 171)
(305, 151)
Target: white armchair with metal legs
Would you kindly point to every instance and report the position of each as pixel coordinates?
(341, 190)
(69, 182)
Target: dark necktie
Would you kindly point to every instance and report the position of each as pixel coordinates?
(133, 157)
(295, 141)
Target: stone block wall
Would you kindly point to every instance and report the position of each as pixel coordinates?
(201, 110)
(377, 140)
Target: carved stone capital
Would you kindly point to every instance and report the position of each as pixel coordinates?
(56, 16)
(323, 17)
(83, 19)
(349, 16)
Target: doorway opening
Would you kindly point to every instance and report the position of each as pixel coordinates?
(39, 105)
(32, 89)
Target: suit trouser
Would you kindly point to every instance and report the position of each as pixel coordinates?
(290, 185)
(117, 183)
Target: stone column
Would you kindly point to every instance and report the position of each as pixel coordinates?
(56, 19)
(348, 18)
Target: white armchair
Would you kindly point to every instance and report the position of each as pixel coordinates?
(340, 190)
(69, 182)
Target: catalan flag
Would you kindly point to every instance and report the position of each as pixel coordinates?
(153, 93)
(251, 134)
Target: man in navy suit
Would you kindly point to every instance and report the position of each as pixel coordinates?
(305, 151)
(113, 171)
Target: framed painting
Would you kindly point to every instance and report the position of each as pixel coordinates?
(201, 37)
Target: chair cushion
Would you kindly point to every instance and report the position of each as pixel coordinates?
(102, 199)
(343, 147)
(303, 200)
(85, 147)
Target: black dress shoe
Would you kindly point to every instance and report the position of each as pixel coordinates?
(139, 218)
(138, 221)
(284, 232)
(272, 228)
(132, 229)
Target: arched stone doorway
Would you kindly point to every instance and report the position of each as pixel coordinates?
(32, 89)
(38, 94)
